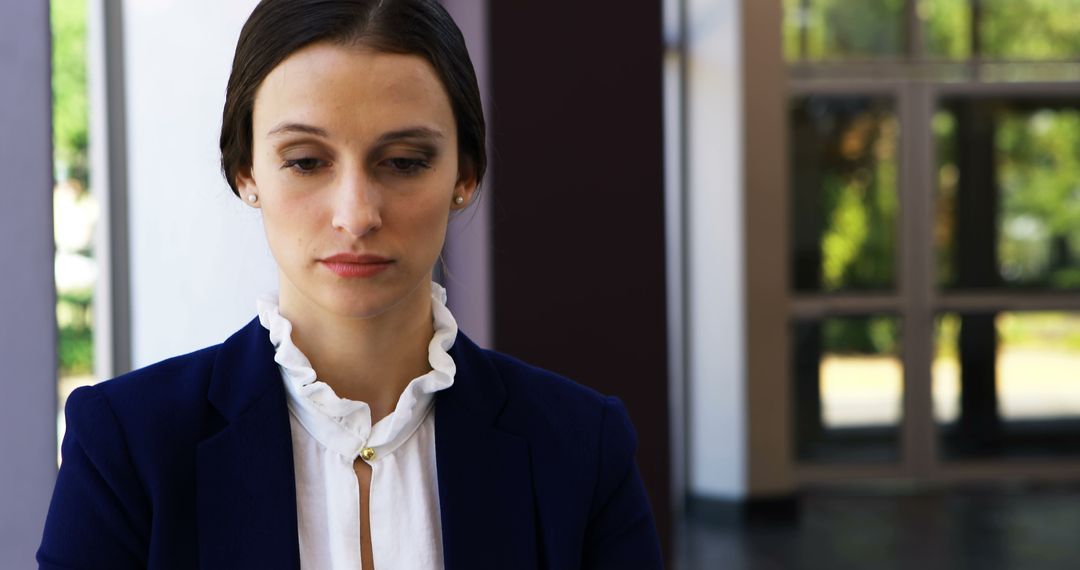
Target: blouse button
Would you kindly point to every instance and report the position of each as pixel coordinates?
(367, 453)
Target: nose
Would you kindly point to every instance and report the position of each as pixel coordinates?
(357, 206)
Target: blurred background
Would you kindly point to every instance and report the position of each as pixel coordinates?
(827, 252)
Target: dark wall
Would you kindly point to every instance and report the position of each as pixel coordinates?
(578, 205)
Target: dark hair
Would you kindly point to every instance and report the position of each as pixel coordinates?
(277, 28)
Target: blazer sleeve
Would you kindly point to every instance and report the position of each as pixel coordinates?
(98, 505)
(621, 532)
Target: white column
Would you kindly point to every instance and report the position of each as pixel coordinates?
(198, 257)
(716, 367)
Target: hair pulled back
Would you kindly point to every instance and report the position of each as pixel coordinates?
(278, 28)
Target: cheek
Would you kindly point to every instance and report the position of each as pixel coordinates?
(290, 225)
(426, 221)
(279, 236)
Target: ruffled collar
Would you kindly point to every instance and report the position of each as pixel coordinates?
(342, 425)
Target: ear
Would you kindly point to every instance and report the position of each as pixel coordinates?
(245, 185)
(465, 187)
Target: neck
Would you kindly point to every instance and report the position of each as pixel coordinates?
(363, 359)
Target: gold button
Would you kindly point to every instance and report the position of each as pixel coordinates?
(368, 454)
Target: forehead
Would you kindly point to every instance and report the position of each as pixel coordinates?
(352, 91)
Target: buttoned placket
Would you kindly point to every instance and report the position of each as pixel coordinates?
(344, 427)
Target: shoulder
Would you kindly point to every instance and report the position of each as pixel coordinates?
(158, 389)
(172, 376)
(542, 387)
(555, 409)
(582, 447)
(162, 406)
(128, 451)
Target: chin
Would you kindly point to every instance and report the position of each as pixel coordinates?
(366, 304)
(357, 308)
(358, 299)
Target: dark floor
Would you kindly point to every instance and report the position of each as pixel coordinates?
(985, 528)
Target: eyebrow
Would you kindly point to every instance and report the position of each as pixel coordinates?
(401, 134)
(410, 133)
(297, 128)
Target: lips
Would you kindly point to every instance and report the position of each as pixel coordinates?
(356, 265)
(366, 258)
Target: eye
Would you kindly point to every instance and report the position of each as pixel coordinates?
(407, 166)
(303, 166)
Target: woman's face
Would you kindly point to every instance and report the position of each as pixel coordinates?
(354, 152)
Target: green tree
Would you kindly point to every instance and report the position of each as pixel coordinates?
(947, 27)
(1039, 180)
(1031, 29)
(70, 148)
(69, 87)
(844, 29)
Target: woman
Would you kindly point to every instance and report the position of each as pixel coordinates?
(350, 424)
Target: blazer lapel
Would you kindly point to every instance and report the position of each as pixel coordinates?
(484, 473)
(246, 487)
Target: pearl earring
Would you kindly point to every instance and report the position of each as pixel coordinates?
(252, 198)
(459, 199)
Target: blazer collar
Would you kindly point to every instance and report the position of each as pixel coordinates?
(245, 483)
(246, 488)
(485, 475)
(243, 371)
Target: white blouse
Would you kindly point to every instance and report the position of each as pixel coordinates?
(329, 433)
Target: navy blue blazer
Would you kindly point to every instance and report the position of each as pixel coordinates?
(188, 464)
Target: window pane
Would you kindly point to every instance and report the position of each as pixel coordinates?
(1009, 193)
(1008, 384)
(844, 193)
(848, 389)
(75, 209)
(946, 27)
(1030, 29)
(794, 25)
(843, 29)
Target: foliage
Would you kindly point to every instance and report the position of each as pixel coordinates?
(75, 344)
(1039, 180)
(75, 323)
(1009, 29)
(1031, 29)
(1037, 172)
(1047, 331)
(944, 129)
(859, 193)
(947, 27)
(69, 87)
(876, 336)
(1043, 330)
(76, 351)
(847, 230)
(792, 28)
(839, 29)
(844, 30)
(947, 336)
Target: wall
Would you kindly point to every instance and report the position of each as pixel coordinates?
(468, 239)
(579, 268)
(27, 293)
(198, 257)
